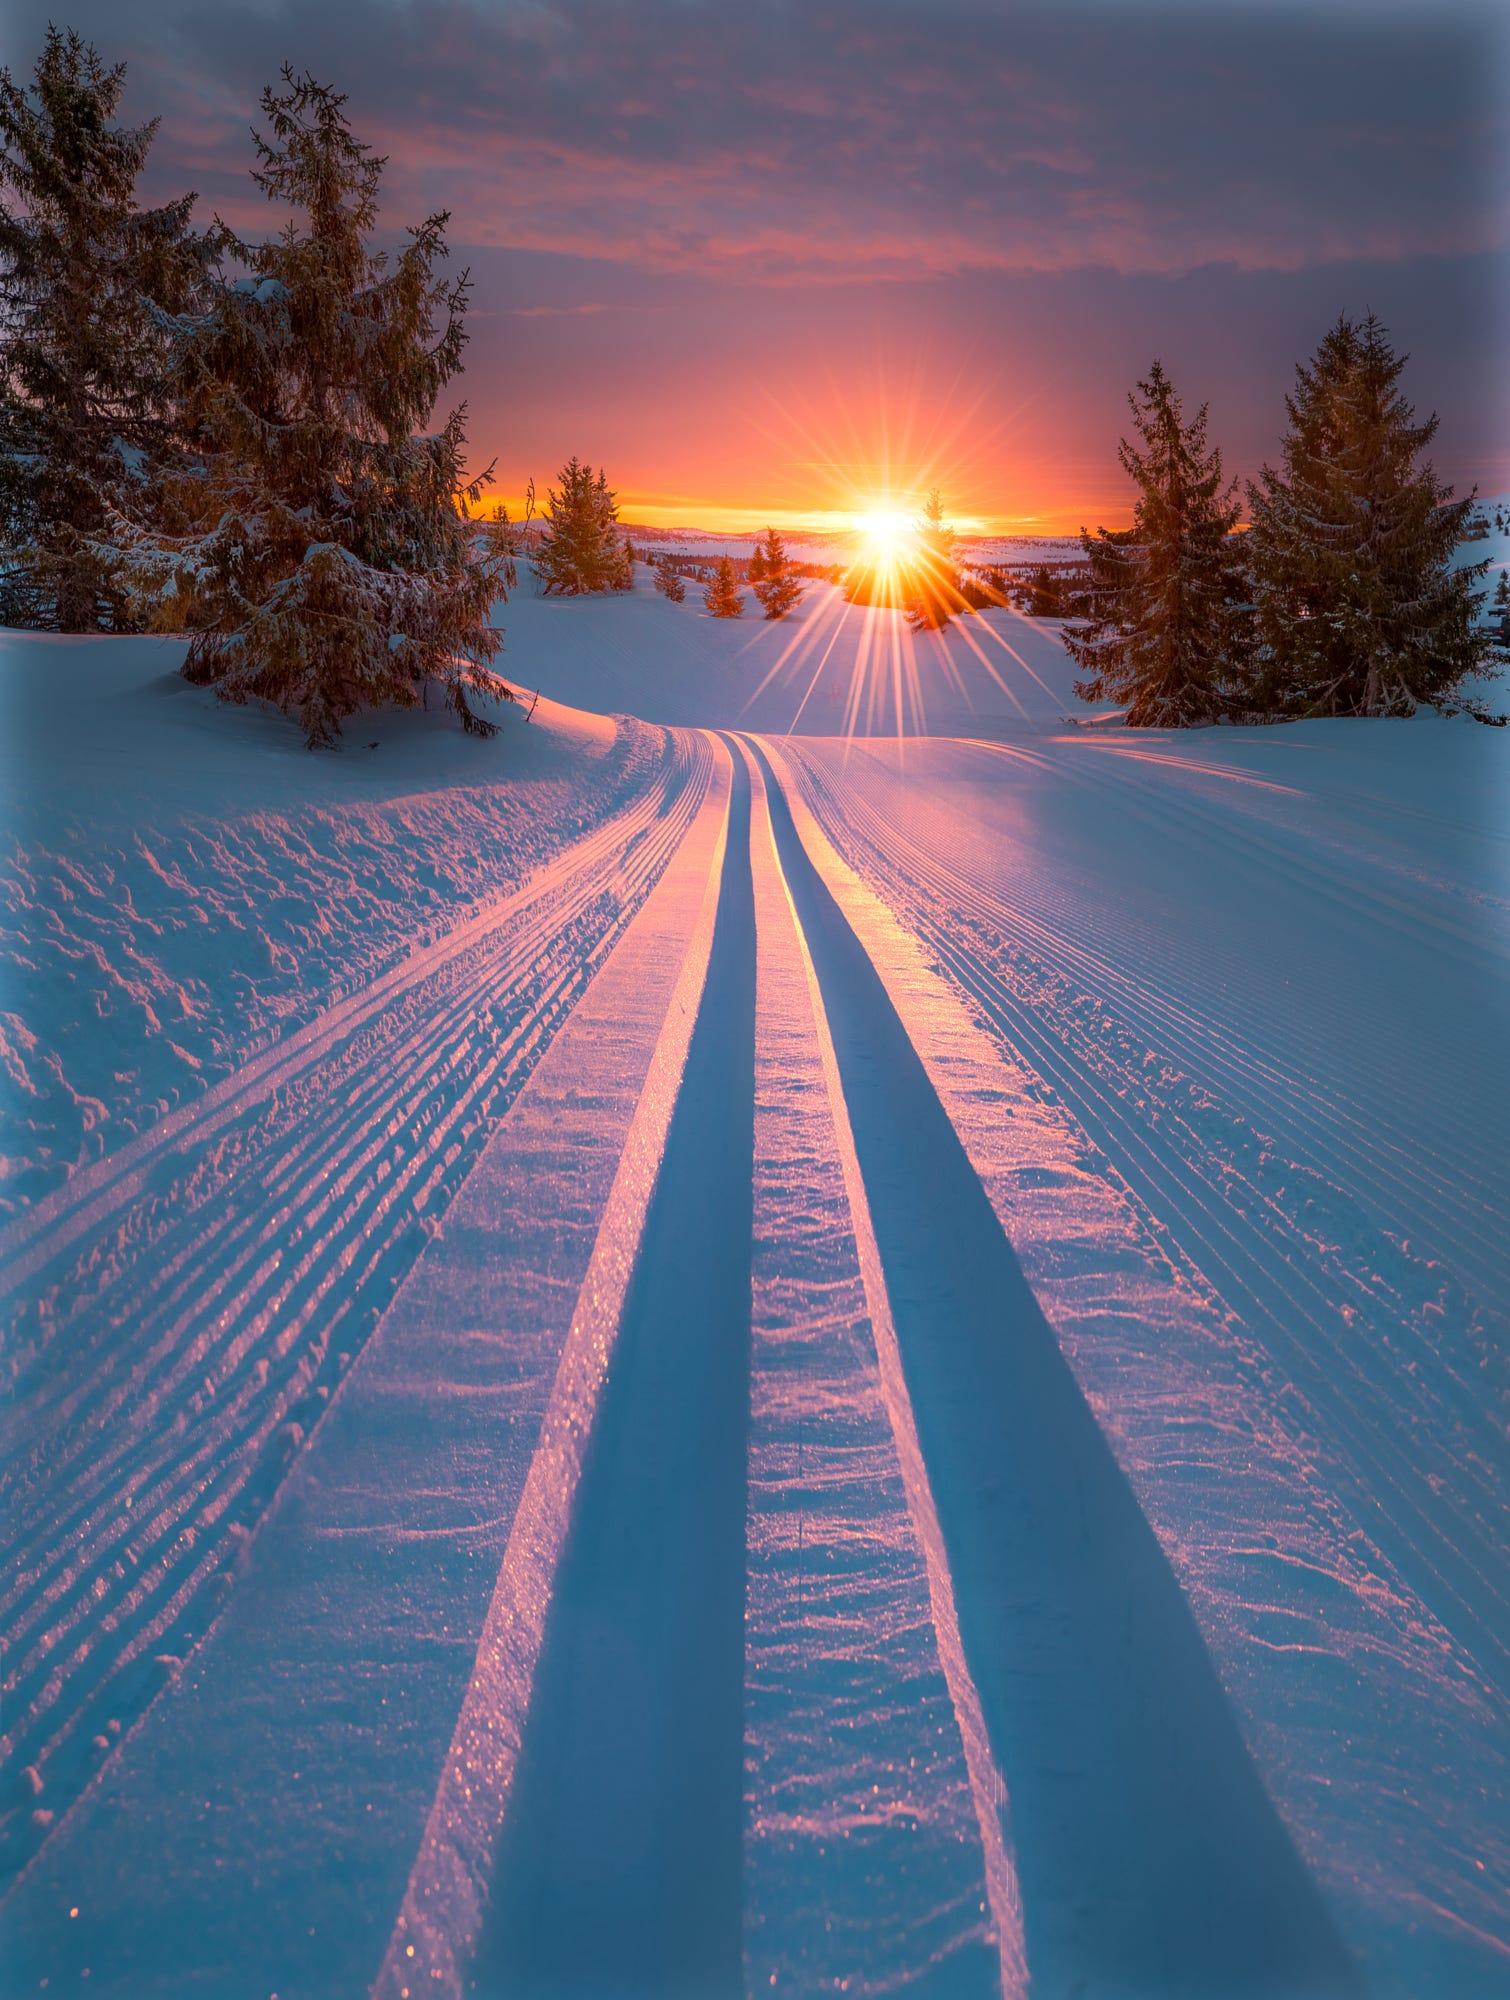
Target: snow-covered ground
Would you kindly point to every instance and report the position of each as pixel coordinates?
(666, 1356)
(180, 883)
(832, 669)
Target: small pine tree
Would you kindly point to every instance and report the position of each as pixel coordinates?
(322, 554)
(87, 417)
(579, 550)
(755, 569)
(1162, 630)
(669, 582)
(722, 594)
(932, 578)
(1358, 607)
(777, 587)
(567, 556)
(1502, 603)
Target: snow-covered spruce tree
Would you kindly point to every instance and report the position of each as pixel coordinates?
(777, 587)
(1358, 608)
(722, 596)
(319, 551)
(1163, 630)
(932, 576)
(87, 413)
(670, 583)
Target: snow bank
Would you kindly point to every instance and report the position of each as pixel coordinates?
(179, 882)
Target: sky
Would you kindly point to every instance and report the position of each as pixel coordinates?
(793, 261)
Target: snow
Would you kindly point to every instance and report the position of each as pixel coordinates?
(733, 1349)
(1295, 1340)
(830, 668)
(182, 881)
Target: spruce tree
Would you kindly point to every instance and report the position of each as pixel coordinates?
(320, 552)
(755, 569)
(778, 589)
(933, 594)
(722, 596)
(87, 416)
(1162, 630)
(580, 550)
(669, 582)
(567, 557)
(1358, 608)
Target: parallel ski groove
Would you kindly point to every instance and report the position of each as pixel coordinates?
(113, 1546)
(992, 1807)
(1455, 1568)
(1120, 1747)
(438, 1924)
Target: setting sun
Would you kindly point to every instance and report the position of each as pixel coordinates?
(886, 530)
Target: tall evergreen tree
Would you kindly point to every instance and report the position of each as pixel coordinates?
(669, 582)
(86, 414)
(932, 572)
(1358, 608)
(320, 552)
(722, 596)
(777, 586)
(1163, 626)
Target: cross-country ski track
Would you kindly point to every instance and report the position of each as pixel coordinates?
(788, 1409)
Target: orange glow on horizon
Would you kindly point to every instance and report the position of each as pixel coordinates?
(828, 457)
(730, 518)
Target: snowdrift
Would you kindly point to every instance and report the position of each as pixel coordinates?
(182, 882)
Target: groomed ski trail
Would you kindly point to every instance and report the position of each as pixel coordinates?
(183, 1311)
(716, 1430)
